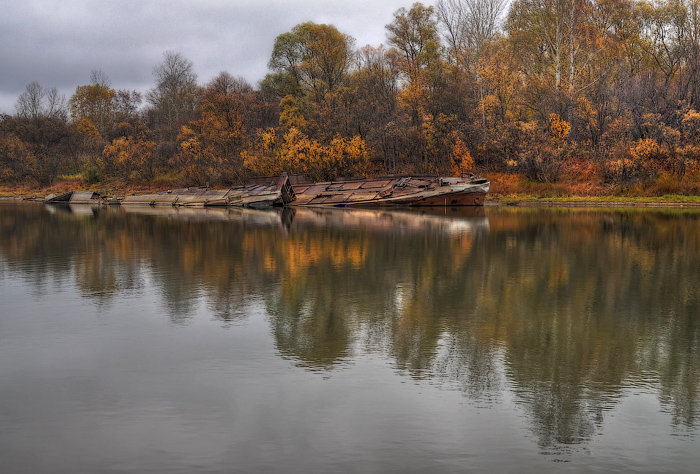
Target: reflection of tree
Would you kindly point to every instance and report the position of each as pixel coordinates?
(584, 299)
(565, 307)
(342, 279)
(571, 305)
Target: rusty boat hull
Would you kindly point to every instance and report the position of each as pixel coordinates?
(73, 197)
(263, 192)
(394, 191)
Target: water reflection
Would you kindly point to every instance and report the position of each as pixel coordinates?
(565, 309)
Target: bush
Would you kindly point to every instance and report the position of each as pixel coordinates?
(91, 173)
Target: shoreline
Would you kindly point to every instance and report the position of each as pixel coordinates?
(601, 204)
(544, 202)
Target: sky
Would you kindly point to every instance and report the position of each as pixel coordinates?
(59, 43)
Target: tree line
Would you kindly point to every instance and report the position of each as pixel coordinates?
(609, 87)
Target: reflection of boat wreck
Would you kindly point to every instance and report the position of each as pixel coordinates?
(394, 191)
(251, 217)
(470, 221)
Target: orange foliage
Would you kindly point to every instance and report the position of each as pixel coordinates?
(129, 158)
(462, 161)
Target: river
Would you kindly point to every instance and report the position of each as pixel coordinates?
(493, 339)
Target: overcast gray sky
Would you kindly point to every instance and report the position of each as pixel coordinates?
(58, 43)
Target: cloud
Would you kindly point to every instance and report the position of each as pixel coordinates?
(58, 44)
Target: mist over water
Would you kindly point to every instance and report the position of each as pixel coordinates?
(447, 340)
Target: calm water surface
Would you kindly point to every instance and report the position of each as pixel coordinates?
(482, 340)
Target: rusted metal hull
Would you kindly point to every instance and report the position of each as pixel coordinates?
(394, 191)
(265, 192)
(74, 197)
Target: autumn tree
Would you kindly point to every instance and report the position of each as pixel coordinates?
(310, 60)
(461, 160)
(15, 156)
(47, 145)
(541, 148)
(46, 138)
(130, 158)
(375, 108)
(689, 147)
(94, 103)
(298, 154)
(318, 162)
(414, 34)
(436, 94)
(213, 145)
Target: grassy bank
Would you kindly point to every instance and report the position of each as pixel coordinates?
(580, 189)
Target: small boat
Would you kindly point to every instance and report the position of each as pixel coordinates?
(389, 191)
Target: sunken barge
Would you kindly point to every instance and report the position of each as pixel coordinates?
(391, 191)
(293, 191)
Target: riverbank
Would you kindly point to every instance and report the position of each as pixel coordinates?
(506, 189)
(601, 201)
(588, 190)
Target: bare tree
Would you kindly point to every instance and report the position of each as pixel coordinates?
(174, 74)
(126, 104)
(176, 95)
(29, 104)
(467, 24)
(36, 102)
(225, 83)
(99, 78)
(56, 105)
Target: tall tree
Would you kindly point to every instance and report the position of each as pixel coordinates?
(126, 105)
(310, 60)
(376, 85)
(414, 34)
(175, 97)
(468, 24)
(36, 102)
(94, 103)
(212, 145)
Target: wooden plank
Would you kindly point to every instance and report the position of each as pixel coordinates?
(376, 184)
(352, 185)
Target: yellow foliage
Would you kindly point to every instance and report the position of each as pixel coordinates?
(559, 129)
(265, 162)
(129, 158)
(212, 146)
(645, 150)
(88, 129)
(268, 137)
(462, 161)
(342, 157)
(691, 126)
(93, 103)
(290, 114)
